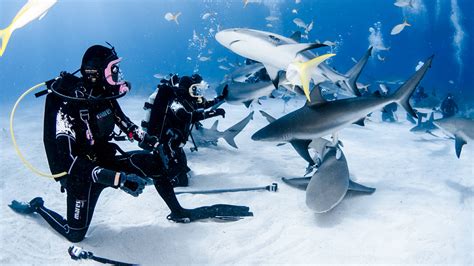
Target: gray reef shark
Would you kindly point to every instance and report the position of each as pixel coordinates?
(424, 127)
(461, 128)
(320, 117)
(279, 53)
(204, 137)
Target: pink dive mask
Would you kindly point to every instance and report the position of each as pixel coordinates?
(114, 76)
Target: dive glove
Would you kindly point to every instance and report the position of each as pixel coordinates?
(132, 184)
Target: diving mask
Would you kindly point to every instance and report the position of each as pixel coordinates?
(114, 76)
(197, 90)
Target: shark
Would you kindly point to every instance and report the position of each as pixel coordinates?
(279, 53)
(320, 117)
(424, 127)
(205, 137)
(330, 183)
(461, 128)
(32, 10)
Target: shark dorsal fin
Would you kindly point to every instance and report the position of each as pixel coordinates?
(377, 94)
(214, 126)
(360, 122)
(296, 36)
(315, 96)
(431, 117)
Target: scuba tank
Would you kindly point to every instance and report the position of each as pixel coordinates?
(148, 106)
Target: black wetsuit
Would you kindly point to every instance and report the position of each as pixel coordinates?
(449, 107)
(83, 149)
(172, 116)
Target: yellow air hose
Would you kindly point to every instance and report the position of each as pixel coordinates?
(25, 162)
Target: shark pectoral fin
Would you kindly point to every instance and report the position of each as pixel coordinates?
(5, 37)
(301, 147)
(303, 70)
(353, 186)
(360, 122)
(273, 73)
(296, 48)
(458, 143)
(298, 182)
(267, 116)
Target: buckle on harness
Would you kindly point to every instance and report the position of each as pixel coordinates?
(84, 115)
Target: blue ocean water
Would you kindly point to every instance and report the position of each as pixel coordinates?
(150, 44)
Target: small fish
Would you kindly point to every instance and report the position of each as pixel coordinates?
(169, 16)
(206, 16)
(269, 25)
(271, 18)
(329, 43)
(221, 59)
(398, 28)
(354, 60)
(224, 68)
(404, 3)
(297, 1)
(309, 27)
(383, 88)
(420, 64)
(189, 58)
(361, 86)
(300, 23)
(30, 11)
(159, 76)
(232, 65)
(204, 58)
(451, 81)
(382, 58)
(294, 11)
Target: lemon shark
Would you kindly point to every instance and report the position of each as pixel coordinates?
(30, 11)
(279, 53)
(461, 128)
(320, 117)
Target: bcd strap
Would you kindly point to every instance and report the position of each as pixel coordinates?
(144, 123)
(84, 115)
(147, 106)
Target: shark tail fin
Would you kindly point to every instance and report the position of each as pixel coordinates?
(303, 70)
(354, 73)
(403, 94)
(234, 130)
(431, 119)
(5, 37)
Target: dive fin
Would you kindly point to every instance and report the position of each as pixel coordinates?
(21, 207)
(458, 143)
(403, 94)
(301, 147)
(354, 73)
(303, 70)
(234, 130)
(220, 211)
(5, 37)
(353, 186)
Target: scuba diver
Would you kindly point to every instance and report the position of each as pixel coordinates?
(448, 106)
(80, 116)
(178, 106)
(419, 95)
